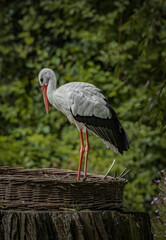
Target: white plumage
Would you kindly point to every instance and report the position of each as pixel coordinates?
(86, 107)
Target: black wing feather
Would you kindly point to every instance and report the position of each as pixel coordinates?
(109, 129)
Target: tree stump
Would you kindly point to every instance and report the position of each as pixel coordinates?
(76, 225)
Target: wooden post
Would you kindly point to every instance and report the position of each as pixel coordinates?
(74, 225)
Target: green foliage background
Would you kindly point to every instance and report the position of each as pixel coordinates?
(120, 46)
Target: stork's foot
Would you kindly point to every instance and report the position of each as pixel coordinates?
(84, 179)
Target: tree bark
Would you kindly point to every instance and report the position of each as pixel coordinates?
(74, 225)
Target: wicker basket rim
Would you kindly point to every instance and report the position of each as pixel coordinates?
(54, 175)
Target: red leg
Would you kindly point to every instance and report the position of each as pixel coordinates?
(82, 150)
(86, 153)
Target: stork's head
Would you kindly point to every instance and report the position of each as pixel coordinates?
(45, 76)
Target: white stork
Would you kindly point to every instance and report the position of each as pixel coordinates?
(86, 107)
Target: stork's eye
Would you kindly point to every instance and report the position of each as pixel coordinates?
(41, 80)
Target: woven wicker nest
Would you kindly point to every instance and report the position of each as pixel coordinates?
(50, 188)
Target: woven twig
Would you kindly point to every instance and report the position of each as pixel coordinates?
(109, 169)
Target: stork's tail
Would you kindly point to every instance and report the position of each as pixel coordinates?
(121, 140)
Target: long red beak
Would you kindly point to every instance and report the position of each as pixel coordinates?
(46, 102)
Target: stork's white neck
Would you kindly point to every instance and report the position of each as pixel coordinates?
(51, 88)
